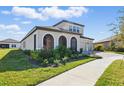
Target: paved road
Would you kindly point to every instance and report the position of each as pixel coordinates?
(83, 75)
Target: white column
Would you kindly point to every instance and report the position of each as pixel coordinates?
(68, 42)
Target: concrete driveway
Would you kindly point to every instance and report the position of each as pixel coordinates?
(84, 75)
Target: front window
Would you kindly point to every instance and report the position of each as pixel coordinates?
(70, 28)
(13, 45)
(74, 28)
(78, 29)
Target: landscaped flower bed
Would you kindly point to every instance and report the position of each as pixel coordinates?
(54, 57)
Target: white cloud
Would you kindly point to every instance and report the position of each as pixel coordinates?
(5, 12)
(9, 27)
(26, 12)
(101, 32)
(26, 22)
(13, 32)
(56, 12)
(49, 12)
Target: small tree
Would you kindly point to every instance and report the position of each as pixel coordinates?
(118, 30)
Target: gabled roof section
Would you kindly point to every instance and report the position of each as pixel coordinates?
(86, 37)
(30, 32)
(9, 40)
(68, 22)
(106, 39)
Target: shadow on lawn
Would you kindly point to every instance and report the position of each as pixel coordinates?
(16, 60)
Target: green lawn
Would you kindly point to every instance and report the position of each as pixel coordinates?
(16, 70)
(115, 52)
(120, 52)
(113, 75)
(4, 52)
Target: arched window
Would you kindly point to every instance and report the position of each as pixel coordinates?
(48, 41)
(74, 43)
(62, 41)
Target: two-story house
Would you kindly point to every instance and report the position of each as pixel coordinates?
(69, 34)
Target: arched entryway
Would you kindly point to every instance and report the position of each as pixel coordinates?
(63, 41)
(74, 43)
(48, 41)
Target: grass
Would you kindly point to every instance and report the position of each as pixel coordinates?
(4, 52)
(115, 52)
(113, 75)
(16, 70)
(120, 53)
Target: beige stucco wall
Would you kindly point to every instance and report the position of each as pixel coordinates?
(56, 35)
(86, 44)
(29, 42)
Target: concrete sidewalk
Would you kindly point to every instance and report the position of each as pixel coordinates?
(83, 75)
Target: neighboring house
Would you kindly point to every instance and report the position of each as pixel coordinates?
(106, 43)
(9, 43)
(69, 34)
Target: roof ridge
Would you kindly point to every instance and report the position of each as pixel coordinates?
(68, 22)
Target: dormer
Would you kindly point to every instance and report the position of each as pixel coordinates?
(70, 26)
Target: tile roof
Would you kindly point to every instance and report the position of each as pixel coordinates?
(49, 28)
(68, 22)
(53, 28)
(106, 39)
(9, 41)
(86, 37)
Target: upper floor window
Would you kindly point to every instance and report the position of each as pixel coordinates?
(70, 28)
(78, 29)
(74, 28)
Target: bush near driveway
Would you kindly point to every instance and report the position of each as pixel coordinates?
(16, 70)
(113, 75)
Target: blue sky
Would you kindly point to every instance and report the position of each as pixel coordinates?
(16, 22)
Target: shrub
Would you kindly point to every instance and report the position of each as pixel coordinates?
(81, 50)
(99, 48)
(68, 52)
(56, 63)
(84, 55)
(45, 63)
(51, 60)
(61, 50)
(62, 61)
(34, 55)
(40, 59)
(54, 57)
(27, 52)
(46, 53)
(119, 50)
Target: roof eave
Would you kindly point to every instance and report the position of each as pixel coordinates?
(49, 29)
(67, 22)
